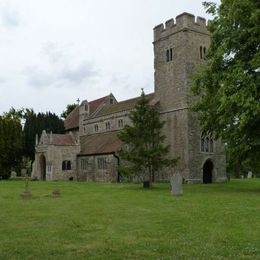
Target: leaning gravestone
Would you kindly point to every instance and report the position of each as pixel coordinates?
(176, 183)
(249, 175)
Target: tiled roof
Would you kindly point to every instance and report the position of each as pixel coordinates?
(102, 143)
(72, 120)
(93, 105)
(59, 139)
(122, 106)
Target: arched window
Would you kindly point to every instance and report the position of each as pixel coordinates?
(96, 128)
(206, 142)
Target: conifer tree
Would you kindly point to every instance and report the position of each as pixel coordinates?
(145, 149)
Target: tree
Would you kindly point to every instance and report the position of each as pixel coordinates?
(227, 85)
(145, 149)
(35, 123)
(68, 110)
(11, 144)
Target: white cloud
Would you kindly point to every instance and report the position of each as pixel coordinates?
(64, 49)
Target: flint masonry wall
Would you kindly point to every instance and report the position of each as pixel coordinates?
(184, 37)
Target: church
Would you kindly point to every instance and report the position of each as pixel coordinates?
(89, 149)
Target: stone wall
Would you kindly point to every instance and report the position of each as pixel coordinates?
(113, 119)
(186, 39)
(53, 156)
(89, 170)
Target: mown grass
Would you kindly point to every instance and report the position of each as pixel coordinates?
(124, 221)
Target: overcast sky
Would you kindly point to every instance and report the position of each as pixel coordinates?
(53, 52)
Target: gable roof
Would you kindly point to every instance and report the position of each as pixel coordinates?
(56, 139)
(59, 139)
(122, 106)
(72, 120)
(102, 143)
(93, 105)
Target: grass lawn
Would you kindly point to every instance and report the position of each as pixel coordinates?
(124, 221)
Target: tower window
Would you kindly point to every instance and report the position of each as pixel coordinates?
(203, 53)
(206, 142)
(169, 55)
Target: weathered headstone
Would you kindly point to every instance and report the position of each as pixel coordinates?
(26, 193)
(249, 175)
(176, 183)
(13, 175)
(23, 172)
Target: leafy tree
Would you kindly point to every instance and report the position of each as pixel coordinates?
(68, 110)
(227, 86)
(145, 149)
(11, 144)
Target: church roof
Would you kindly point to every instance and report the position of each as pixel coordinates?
(121, 106)
(72, 120)
(102, 143)
(56, 139)
(59, 139)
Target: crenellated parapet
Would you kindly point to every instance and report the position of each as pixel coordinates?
(184, 21)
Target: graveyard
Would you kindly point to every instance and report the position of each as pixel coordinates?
(65, 220)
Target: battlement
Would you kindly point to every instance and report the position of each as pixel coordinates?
(183, 21)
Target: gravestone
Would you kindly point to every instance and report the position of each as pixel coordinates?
(23, 172)
(249, 175)
(176, 184)
(13, 175)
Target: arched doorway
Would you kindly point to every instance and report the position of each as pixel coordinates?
(43, 167)
(207, 171)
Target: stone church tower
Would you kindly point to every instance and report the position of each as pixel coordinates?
(178, 47)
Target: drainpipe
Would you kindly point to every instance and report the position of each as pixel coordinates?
(118, 164)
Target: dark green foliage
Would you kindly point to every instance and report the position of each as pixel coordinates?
(145, 149)
(35, 123)
(228, 84)
(15, 142)
(11, 144)
(68, 110)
